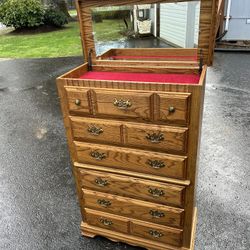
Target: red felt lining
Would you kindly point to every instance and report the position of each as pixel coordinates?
(178, 58)
(142, 77)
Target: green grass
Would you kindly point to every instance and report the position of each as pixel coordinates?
(62, 42)
(109, 30)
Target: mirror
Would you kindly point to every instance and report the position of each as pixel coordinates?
(164, 25)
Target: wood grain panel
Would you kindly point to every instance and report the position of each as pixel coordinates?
(174, 108)
(162, 193)
(162, 138)
(153, 232)
(133, 208)
(78, 100)
(108, 221)
(132, 160)
(138, 104)
(96, 130)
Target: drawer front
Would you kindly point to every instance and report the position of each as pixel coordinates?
(107, 221)
(167, 194)
(77, 100)
(131, 208)
(133, 160)
(171, 236)
(166, 139)
(123, 104)
(96, 130)
(174, 108)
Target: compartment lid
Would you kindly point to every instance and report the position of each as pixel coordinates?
(206, 37)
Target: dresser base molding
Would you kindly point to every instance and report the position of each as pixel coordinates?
(92, 231)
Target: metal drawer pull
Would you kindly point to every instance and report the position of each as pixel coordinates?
(156, 214)
(104, 203)
(98, 156)
(77, 102)
(121, 104)
(155, 137)
(155, 234)
(171, 109)
(106, 222)
(155, 164)
(156, 192)
(102, 183)
(94, 130)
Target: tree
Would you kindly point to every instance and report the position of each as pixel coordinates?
(62, 6)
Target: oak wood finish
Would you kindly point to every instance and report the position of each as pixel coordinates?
(161, 138)
(162, 193)
(133, 174)
(131, 208)
(132, 160)
(108, 221)
(157, 233)
(166, 108)
(130, 179)
(91, 231)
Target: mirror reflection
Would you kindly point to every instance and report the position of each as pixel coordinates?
(165, 25)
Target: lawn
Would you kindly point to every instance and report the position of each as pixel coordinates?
(62, 42)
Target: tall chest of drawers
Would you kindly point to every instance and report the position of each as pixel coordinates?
(134, 139)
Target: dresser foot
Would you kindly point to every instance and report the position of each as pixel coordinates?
(88, 234)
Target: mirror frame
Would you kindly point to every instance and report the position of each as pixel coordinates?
(207, 28)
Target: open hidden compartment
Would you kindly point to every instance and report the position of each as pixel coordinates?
(144, 65)
(165, 66)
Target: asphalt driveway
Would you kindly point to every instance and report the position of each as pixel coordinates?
(38, 204)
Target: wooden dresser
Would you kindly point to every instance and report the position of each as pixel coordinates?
(134, 143)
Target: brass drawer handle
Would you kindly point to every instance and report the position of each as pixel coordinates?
(94, 130)
(156, 214)
(104, 203)
(155, 137)
(171, 109)
(156, 192)
(155, 164)
(106, 222)
(122, 104)
(77, 102)
(98, 156)
(155, 234)
(102, 183)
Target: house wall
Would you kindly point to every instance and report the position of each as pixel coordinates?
(173, 23)
(239, 23)
(179, 23)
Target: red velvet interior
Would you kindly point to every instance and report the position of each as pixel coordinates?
(142, 77)
(177, 58)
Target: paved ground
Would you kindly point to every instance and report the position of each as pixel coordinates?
(38, 204)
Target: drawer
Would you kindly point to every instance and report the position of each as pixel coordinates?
(174, 108)
(157, 192)
(133, 160)
(123, 104)
(132, 208)
(167, 235)
(96, 130)
(162, 138)
(77, 100)
(107, 221)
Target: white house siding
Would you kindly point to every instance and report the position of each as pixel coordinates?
(179, 23)
(173, 23)
(197, 23)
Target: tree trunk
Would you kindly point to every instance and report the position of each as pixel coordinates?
(62, 6)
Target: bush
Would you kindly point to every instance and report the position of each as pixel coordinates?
(21, 13)
(55, 17)
(96, 17)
